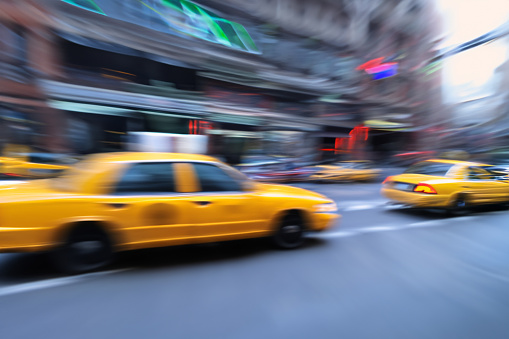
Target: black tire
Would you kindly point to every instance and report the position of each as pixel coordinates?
(290, 233)
(86, 248)
(459, 206)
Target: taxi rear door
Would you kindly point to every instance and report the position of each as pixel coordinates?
(147, 207)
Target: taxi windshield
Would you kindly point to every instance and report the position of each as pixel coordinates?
(71, 179)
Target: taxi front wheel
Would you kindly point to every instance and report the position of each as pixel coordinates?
(290, 233)
(86, 248)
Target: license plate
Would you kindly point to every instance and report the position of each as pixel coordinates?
(403, 187)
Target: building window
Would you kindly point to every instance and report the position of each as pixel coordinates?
(13, 46)
(13, 53)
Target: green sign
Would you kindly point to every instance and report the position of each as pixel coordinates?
(174, 16)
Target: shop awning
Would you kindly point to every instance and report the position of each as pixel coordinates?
(235, 134)
(386, 125)
(331, 135)
(99, 98)
(182, 116)
(235, 119)
(89, 108)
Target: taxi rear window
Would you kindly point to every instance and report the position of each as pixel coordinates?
(49, 159)
(429, 168)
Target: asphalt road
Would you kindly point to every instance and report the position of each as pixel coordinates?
(380, 273)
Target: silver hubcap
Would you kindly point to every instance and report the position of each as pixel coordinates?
(291, 229)
(86, 247)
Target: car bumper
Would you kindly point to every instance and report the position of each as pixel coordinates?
(414, 199)
(323, 221)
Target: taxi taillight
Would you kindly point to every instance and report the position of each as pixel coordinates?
(424, 188)
(386, 180)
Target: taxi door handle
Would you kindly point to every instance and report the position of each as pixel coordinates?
(202, 203)
(117, 205)
(465, 186)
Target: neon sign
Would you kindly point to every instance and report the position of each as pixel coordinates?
(175, 17)
(378, 69)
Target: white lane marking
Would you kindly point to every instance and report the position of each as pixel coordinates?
(359, 207)
(394, 206)
(427, 223)
(464, 218)
(380, 228)
(486, 272)
(340, 234)
(388, 228)
(42, 284)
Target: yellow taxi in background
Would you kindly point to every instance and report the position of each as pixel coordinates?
(449, 184)
(125, 201)
(355, 170)
(34, 165)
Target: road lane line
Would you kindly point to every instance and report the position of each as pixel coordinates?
(485, 272)
(349, 233)
(426, 223)
(380, 229)
(389, 228)
(49, 283)
(359, 207)
(340, 234)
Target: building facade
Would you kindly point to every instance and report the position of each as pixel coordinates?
(79, 75)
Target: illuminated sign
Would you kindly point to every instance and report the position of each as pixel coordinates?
(378, 69)
(370, 64)
(386, 73)
(179, 17)
(381, 68)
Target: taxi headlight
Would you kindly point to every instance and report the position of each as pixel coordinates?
(327, 207)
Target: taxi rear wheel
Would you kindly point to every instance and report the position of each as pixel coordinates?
(86, 248)
(459, 206)
(290, 233)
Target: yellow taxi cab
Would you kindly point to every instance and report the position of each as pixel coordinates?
(355, 170)
(447, 184)
(34, 165)
(124, 201)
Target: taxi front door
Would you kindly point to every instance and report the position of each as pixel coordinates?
(221, 208)
(484, 188)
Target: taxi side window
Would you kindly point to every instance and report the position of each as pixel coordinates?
(214, 179)
(147, 178)
(479, 174)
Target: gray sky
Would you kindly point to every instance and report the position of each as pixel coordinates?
(469, 74)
